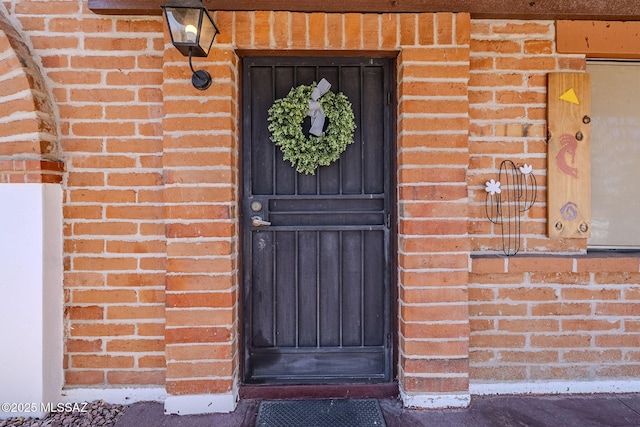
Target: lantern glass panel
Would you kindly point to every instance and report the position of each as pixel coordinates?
(183, 24)
(207, 33)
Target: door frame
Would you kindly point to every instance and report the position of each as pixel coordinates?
(379, 390)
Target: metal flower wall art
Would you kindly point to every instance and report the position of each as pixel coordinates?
(508, 199)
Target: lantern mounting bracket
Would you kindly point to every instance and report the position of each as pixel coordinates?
(192, 32)
(200, 79)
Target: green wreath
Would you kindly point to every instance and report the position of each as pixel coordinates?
(306, 154)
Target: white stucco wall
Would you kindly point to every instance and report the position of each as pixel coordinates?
(31, 296)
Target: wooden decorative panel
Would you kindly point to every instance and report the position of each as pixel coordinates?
(569, 157)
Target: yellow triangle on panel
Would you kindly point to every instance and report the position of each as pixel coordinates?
(570, 96)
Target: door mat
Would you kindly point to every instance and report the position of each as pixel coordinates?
(320, 413)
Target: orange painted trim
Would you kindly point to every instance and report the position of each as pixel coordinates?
(599, 39)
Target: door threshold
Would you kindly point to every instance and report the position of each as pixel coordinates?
(320, 391)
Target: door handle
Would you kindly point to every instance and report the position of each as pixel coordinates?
(256, 221)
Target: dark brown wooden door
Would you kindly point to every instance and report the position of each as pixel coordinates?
(317, 279)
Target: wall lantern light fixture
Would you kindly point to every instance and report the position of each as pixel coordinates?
(192, 32)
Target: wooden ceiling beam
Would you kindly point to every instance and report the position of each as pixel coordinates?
(602, 39)
(611, 10)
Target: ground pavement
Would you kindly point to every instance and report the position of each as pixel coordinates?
(606, 410)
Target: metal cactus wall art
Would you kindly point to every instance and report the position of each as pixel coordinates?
(507, 199)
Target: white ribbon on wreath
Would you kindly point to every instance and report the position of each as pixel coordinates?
(315, 109)
(318, 148)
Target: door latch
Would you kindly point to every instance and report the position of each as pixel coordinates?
(256, 221)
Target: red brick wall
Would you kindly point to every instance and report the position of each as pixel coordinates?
(508, 94)
(151, 193)
(105, 76)
(110, 97)
(151, 186)
(536, 318)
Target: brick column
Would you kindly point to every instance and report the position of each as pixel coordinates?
(200, 155)
(433, 259)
